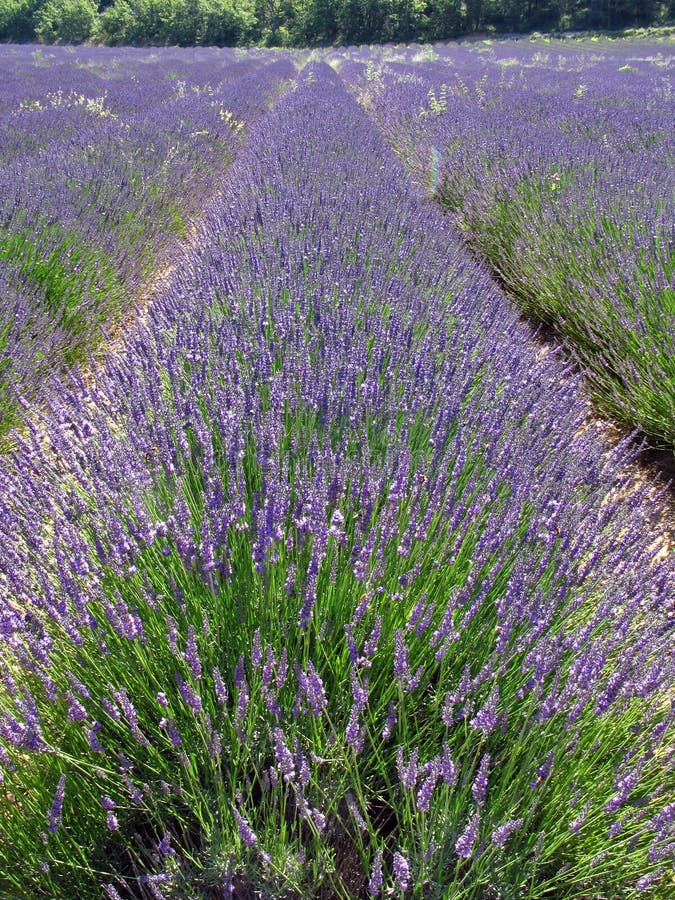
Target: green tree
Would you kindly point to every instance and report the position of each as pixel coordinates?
(149, 22)
(115, 24)
(363, 21)
(227, 22)
(445, 19)
(65, 21)
(316, 21)
(17, 19)
(408, 19)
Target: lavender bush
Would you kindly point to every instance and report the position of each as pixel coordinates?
(327, 587)
(106, 158)
(555, 162)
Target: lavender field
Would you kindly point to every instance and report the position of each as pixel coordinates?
(319, 575)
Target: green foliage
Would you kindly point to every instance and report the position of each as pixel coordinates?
(305, 22)
(115, 25)
(65, 21)
(17, 19)
(181, 22)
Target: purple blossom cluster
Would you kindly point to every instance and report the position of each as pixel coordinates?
(329, 494)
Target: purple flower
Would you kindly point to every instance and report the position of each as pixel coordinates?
(246, 833)
(239, 672)
(402, 672)
(256, 650)
(272, 394)
(219, 687)
(135, 793)
(301, 764)
(370, 645)
(359, 689)
(111, 709)
(76, 712)
(355, 812)
(172, 731)
(355, 734)
(283, 755)
(271, 703)
(575, 825)
(662, 819)
(448, 769)
(502, 833)
(190, 696)
(55, 815)
(401, 871)
(644, 883)
(111, 892)
(375, 880)
(486, 718)
(428, 784)
(192, 654)
(319, 819)
(164, 845)
(479, 786)
(466, 840)
(390, 721)
(407, 772)
(544, 771)
(243, 698)
(268, 668)
(312, 687)
(92, 737)
(172, 634)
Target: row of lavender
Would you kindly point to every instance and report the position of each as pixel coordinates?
(104, 161)
(556, 164)
(331, 590)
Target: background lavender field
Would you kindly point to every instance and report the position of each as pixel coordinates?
(326, 583)
(106, 159)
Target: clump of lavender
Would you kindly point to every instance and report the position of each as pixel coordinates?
(569, 205)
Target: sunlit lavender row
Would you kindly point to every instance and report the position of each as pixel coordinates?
(105, 160)
(327, 586)
(556, 164)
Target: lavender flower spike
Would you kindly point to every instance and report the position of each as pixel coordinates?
(164, 845)
(375, 881)
(55, 815)
(502, 833)
(479, 786)
(401, 872)
(246, 833)
(466, 840)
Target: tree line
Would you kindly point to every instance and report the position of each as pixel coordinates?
(308, 22)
